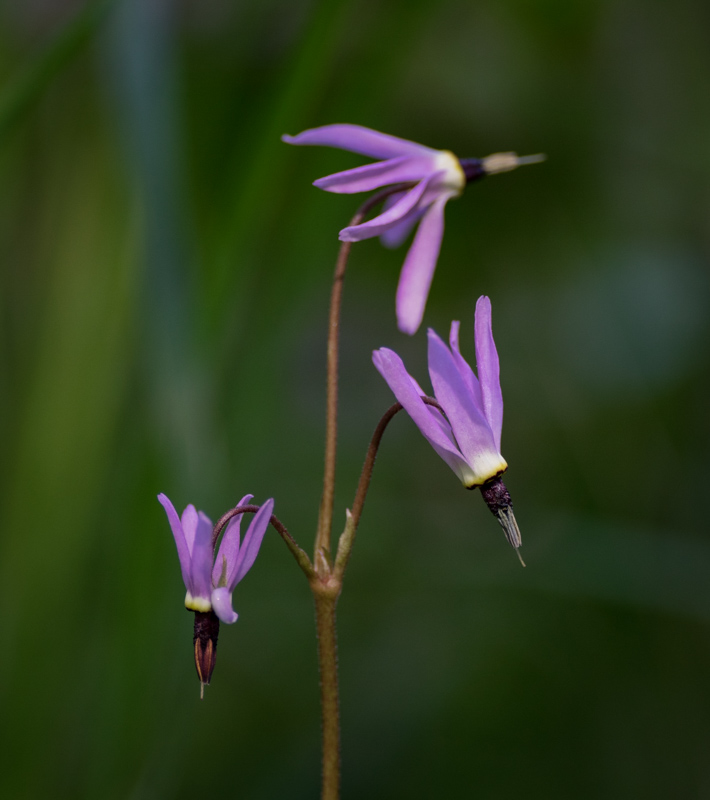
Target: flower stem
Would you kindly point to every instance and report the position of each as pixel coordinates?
(300, 555)
(325, 602)
(353, 518)
(325, 584)
(322, 545)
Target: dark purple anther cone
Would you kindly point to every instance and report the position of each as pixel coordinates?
(472, 168)
(205, 641)
(498, 500)
(496, 495)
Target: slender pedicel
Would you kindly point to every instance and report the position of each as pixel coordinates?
(325, 516)
(300, 555)
(347, 538)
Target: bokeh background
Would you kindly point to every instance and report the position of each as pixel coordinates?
(164, 277)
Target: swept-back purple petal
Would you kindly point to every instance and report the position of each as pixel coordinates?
(189, 525)
(488, 368)
(358, 139)
(432, 425)
(252, 542)
(436, 414)
(222, 605)
(372, 176)
(201, 570)
(396, 235)
(473, 434)
(464, 369)
(388, 218)
(179, 536)
(418, 269)
(229, 546)
(406, 389)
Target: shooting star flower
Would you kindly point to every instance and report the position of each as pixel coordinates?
(433, 178)
(210, 585)
(467, 434)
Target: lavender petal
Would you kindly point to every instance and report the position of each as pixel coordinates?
(229, 546)
(252, 542)
(488, 368)
(372, 176)
(201, 569)
(189, 525)
(222, 605)
(418, 269)
(396, 235)
(391, 216)
(179, 536)
(432, 425)
(470, 427)
(358, 139)
(464, 369)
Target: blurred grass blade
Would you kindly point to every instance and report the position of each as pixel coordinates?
(19, 95)
(303, 82)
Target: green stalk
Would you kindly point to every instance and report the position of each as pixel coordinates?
(326, 598)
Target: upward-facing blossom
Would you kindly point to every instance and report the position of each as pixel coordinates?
(467, 435)
(436, 175)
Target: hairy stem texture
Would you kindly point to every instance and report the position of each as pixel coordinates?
(330, 711)
(325, 519)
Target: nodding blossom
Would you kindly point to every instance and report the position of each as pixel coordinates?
(210, 582)
(435, 176)
(467, 434)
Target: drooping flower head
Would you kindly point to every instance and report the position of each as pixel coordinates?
(468, 438)
(210, 582)
(436, 175)
(467, 435)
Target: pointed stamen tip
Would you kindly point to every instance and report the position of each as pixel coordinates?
(498, 501)
(202, 689)
(505, 162)
(507, 521)
(536, 159)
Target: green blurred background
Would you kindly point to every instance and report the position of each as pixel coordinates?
(163, 290)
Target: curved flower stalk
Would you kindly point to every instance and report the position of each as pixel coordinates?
(436, 175)
(210, 585)
(467, 435)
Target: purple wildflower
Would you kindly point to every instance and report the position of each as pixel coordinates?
(438, 175)
(467, 435)
(210, 586)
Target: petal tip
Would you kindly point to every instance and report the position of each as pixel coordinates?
(167, 504)
(222, 605)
